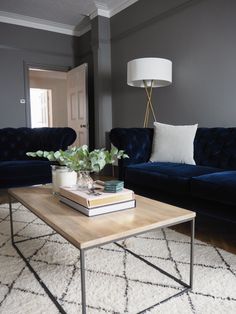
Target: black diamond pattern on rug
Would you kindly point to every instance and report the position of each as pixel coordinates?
(116, 282)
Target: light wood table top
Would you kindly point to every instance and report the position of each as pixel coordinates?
(85, 232)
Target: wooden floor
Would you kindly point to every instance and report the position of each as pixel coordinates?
(214, 234)
(3, 197)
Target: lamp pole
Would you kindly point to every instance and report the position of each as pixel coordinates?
(149, 106)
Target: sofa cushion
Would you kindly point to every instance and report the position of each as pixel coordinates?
(219, 187)
(169, 177)
(23, 173)
(173, 143)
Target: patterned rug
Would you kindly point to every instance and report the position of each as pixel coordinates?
(116, 281)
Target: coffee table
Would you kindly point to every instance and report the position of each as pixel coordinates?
(86, 233)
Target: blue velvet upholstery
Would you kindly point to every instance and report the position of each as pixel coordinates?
(24, 172)
(216, 147)
(205, 186)
(16, 168)
(173, 178)
(136, 142)
(218, 187)
(16, 142)
(213, 147)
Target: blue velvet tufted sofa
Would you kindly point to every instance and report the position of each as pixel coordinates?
(17, 169)
(209, 187)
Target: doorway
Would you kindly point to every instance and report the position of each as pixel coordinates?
(47, 98)
(41, 107)
(58, 99)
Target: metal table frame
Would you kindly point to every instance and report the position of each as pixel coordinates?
(187, 286)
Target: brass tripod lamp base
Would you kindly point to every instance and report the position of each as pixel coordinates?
(149, 106)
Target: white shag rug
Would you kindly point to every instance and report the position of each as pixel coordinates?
(116, 281)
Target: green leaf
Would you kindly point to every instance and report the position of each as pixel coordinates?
(31, 154)
(39, 153)
(57, 154)
(114, 151)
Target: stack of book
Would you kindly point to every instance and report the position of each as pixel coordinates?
(92, 204)
(113, 186)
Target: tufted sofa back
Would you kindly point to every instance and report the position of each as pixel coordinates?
(16, 142)
(214, 147)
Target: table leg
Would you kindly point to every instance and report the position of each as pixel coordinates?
(11, 220)
(83, 288)
(25, 259)
(192, 253)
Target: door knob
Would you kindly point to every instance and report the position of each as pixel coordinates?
(83, 125)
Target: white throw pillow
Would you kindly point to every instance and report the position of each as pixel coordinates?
(173, 143)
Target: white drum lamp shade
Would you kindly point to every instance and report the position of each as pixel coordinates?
(149, 73)
(157, 70)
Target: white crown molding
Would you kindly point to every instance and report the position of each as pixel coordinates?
(27, 21)
(103, 10)
(121, 7)
(100, 12)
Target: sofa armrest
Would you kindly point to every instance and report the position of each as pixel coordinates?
(16, 142)
(136, 142)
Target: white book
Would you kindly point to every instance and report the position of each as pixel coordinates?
(100, 209)
(94, 201)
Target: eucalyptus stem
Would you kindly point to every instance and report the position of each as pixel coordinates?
(80, 159)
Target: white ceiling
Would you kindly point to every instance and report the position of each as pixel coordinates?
(64, 16)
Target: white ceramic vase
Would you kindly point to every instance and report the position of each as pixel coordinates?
(62, 176)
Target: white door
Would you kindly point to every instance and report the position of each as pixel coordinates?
(77, 103)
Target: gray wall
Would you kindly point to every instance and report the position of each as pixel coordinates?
(199, 37)
(22, 45)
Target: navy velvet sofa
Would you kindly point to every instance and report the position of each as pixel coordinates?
(209, 187)
(17, 169)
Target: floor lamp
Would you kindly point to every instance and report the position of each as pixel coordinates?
(149, 73)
